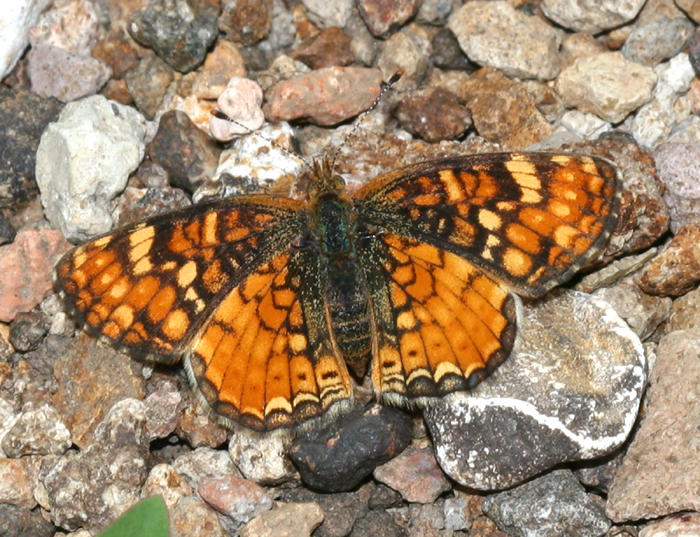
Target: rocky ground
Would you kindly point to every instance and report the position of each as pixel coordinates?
(590, 428)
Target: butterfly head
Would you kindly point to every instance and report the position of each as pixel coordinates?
(324, 181)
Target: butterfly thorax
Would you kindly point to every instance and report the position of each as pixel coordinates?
(332, 226)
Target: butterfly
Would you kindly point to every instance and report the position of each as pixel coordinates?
(279, 306)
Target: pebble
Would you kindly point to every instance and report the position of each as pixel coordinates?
(55, 72)
(494, 34)
(285, 520)
(533, 403)
(326, 13)
(385, 16)
(681, 525)
(246, 21)
(165, 482)
(91, 379)
(415, 474)
(192, 518)
(18, 18)
(186, 153)
(148, 83)
(408, 51)
(241, 102)
(325, 96)
(339, 456)
(17, 479)
(655, 120)
(21, 522)
(262, 458)
(657, 41)
(221, 65)
(330, 47)
(643, 313)
(676, 270)
(591, 17)
(26, 264)
(83, 162)
(691, 8)
(23, 117)
(685, 312)
(554, 504)
(92, 487)
(607, 85)
(435, 116)
(179, 32)
(238, 499)
(503, 110)
(37, 431)
(678, 166)
(661, 469)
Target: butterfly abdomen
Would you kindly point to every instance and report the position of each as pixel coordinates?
(345, 292)
(348, 309)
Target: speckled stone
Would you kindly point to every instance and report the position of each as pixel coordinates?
(660, 472)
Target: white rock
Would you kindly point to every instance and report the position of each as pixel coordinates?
(84, 160)
(591, 16)
(329, 12)
(18, 16)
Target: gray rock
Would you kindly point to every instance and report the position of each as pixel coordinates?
(655, 120)
(92, 487)
(54, 72)
(606, 84)
(261, 457)
(327, 13)
(495, 34)
(570, 391)
(37, 431)
(678, 166)
(642, 312)
(658, 40)
(555, 504)
(84, 160)
(591, 16)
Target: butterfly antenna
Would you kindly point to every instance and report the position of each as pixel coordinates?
(386, 87)
(221, 115)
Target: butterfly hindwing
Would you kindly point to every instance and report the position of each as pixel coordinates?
(442, 323)
(265, 357)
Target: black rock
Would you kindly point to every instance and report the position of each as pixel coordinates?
(340, 456)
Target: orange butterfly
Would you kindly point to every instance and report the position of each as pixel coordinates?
(276, 304)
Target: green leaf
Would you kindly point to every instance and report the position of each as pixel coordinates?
(148, 518)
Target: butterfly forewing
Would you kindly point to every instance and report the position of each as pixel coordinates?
(530, 219)
(149, 287)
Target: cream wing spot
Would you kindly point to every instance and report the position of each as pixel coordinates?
(489, 220)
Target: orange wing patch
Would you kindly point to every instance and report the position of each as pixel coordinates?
(444, 324)
(258, 362)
